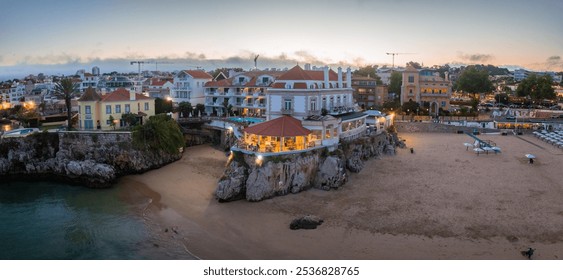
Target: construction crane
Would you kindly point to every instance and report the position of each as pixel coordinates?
(394, 54)
(139, 64)
(160, 62)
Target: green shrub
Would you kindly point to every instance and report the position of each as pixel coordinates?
(160, 132)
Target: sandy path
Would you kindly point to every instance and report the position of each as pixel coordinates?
(442, 202)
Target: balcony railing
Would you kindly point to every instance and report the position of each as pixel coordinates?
(287, 111)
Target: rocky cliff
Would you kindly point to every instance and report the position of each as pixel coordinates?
(247, 177)
(92, 159)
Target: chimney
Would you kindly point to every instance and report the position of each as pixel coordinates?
(326, 77)
(132, 94)
(340, 77)
(349, 77)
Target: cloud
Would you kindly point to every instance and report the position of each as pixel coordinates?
(475, 57)
(554, 61)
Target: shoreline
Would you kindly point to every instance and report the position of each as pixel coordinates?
(449, 207)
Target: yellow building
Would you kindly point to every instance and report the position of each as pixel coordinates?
(427, 88)
(94, 110)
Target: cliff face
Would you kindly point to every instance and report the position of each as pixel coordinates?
(254, 180)
(93, 159)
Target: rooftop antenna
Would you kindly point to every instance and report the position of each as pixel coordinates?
(255, 61)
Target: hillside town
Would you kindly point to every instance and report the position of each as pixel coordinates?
(112, 101)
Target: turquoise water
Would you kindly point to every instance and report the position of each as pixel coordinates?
(43, 220)
(250, 120)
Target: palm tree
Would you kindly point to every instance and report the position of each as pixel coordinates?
(65, 89)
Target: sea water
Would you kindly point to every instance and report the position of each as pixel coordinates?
(45, 220)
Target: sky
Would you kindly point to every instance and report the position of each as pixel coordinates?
(60, 36)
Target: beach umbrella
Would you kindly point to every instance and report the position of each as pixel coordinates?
(467, 145)
(530, 156)
(497, 149)
(478, 150)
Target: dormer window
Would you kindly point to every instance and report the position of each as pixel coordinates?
(241, 80)
(265, 80)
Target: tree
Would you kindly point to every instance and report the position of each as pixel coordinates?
(112, 121)
(129, 118)
(369, 71)
(395, 82)
(65, 89)
(162, 106)
(416, 65)
(474, 81)
(410, 107)
(160, 132)
(227, 108)
(536, 87)
(199, 109)
(185, 108)
(391, 105)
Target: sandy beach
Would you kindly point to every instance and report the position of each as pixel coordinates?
(442, 202)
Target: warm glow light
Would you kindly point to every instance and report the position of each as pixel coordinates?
(260, 157)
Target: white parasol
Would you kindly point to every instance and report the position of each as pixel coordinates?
(530, 156)
(467, 145)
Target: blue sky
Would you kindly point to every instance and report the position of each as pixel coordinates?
(59, 36)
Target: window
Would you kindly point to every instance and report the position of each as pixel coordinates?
(411, 79)
(443, 103)
(146, 106)
(313, 104)
(108, 109)
(287, 104)
(138, 107)
(241, 80)
(127, 108)
(88, 109)
(410, 91)
(79, 109)
(118, 108)
(265, 80)
(108, 122)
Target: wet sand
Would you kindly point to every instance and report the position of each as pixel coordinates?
(442, 202)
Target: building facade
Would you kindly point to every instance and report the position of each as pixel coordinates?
(427, 88)
(367, 93)
(189, 86)
(245, 92)
(94, 110)
(321, 99)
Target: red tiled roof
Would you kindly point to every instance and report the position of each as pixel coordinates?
(298, 74)
(300, 85)
(251, 83)
(157, 83)
(295, 73)
(121, 94)
(220, 83)
(198, 74)
(278, 85)
(320, 75)
(284, 126)
(90, 94)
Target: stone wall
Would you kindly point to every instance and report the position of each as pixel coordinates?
(247, 177)
(93, 159)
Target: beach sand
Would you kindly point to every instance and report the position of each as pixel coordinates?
(442, 202)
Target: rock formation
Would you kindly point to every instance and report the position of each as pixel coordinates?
(248, 178)
(92, 159)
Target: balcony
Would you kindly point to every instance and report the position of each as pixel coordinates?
(287, 111)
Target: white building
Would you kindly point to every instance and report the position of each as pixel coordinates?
(96, 71)
(521, 74)
(189, 86)
(321, 99)
(245, 92)
(88, 80)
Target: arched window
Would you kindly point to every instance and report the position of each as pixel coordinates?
(410, 90)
